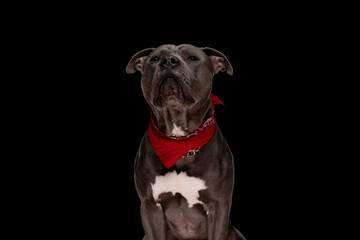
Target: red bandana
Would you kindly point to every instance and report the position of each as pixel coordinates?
(172, 149)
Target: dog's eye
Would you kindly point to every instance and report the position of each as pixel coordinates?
(155, 59)
(193, 58)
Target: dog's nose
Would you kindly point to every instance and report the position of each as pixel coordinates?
(170, 61)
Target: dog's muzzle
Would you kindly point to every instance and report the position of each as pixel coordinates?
(171, 90)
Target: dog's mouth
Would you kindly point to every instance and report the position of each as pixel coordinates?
(170, 87)
(171, 91)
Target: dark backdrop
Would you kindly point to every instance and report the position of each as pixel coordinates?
(100, 116)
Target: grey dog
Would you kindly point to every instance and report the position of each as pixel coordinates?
(189, 198)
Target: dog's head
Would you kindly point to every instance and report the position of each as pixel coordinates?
(177, 75)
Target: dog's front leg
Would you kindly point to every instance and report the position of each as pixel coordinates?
(153, 220)
(218, 221)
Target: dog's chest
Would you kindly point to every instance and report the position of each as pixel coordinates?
(174, 182)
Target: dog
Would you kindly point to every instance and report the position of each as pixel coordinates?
(184, 170)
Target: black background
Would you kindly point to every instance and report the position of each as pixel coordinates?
(95, 116)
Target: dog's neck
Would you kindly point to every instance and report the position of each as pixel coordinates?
(179, 120)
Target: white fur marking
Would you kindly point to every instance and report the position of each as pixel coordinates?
(188, 187)
(177, 132)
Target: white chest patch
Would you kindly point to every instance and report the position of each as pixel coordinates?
(177, 132)
(188, 187)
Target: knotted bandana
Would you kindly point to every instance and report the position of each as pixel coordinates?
(172, 149)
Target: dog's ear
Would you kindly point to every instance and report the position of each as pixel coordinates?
(219, 60)
(137, 61)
